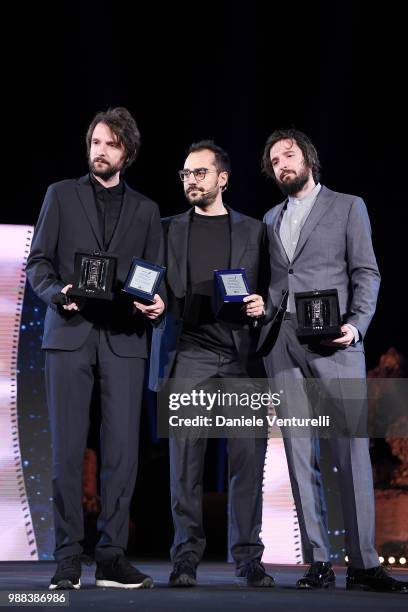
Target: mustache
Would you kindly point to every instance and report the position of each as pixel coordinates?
(195, 189)
(283, 174)
(99, 159)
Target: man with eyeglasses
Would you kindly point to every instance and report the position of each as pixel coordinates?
(197, 346)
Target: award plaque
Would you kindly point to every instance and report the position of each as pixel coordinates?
(230, 288)
(318, 314)
(143, 280)
(94, 275)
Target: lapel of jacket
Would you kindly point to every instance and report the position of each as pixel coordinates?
(239, 237)
(324, 200)
(129, 207)
(87, 198)
(276, 228)
(178, 247)
(178, 251)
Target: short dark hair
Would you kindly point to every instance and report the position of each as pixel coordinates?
(222, 160)
(123, 125)
(303, 142)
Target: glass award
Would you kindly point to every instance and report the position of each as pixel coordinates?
(230, 288)
(143, 280)
(318, 314)
(94, 275)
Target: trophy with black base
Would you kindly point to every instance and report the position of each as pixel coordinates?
(318, 314)
(230, 288)
(143, 280)
(94, 275)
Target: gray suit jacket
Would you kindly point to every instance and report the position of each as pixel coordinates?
(334, 251)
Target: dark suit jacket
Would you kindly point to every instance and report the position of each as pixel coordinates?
(68, 223)
(334, 251)
(248, 250)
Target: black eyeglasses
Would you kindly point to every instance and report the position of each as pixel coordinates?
(199, 173)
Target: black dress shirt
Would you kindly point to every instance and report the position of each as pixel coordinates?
(108, 206)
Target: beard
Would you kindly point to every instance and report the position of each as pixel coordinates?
(293, 185)
(204, 198)
(105, 171)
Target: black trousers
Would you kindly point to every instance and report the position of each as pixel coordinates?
(70, 377)
(246, 462)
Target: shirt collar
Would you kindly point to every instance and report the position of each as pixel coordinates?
(99, 188)
(308, 199)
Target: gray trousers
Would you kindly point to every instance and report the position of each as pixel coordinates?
(246, 462)
(287, 362)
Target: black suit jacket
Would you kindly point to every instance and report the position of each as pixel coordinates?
(68, 223)
(248, 250)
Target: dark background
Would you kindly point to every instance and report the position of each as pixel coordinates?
(233, 72)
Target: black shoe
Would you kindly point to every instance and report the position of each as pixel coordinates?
(255, 574)
(119, 573)
(374, 579)
(184, 573)
(318, 576)
(68, 574)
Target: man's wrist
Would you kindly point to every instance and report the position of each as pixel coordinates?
(354, 331)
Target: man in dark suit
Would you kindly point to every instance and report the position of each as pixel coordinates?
(194, 345)
(98, 342)
(320, 239)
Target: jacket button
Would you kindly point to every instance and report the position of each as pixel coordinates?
(290, 270)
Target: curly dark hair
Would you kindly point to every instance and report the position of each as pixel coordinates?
(122, 124)
(304, 143)
(222, 160)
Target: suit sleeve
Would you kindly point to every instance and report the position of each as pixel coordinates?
(40, 269)
(271, 309)
(264, 267)
(362, 268)
(154, 250)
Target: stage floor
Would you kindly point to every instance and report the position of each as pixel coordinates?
(218, 590)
